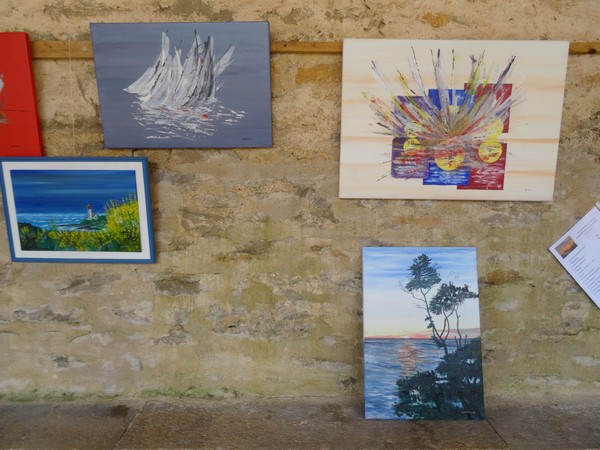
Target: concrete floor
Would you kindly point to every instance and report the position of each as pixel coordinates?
(285, 424)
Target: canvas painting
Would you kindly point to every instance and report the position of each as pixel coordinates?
(184, 85)
(20, 133)
(78, 210)
(421, 333)
(454, 120)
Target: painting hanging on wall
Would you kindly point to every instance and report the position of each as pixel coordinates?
(20, 133)
(184, 85)
(455, 120)
(421, 333)
(78, 210)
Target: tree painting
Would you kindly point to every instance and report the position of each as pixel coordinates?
(455, 387)
(425, 365)
(446, 302)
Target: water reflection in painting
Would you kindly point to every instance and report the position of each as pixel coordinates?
(422, 354)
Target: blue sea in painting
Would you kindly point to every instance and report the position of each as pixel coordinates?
(63, 196)
(63, 221)
(386, 360)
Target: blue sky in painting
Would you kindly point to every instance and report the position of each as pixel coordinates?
(63, 191)
(388, 310)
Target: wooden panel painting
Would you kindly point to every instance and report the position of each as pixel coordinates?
(470, 120)
(77, 210)
(19, 122)
(184, 85)
(421, 333)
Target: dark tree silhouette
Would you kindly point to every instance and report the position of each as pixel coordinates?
(424, 277)
(454, 390)
(446, 302)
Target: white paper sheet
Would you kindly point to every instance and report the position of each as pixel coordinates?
(578, 250)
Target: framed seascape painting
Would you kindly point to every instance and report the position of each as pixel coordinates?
(78, 210)
(20, 133)
(184, 85)
(454, 120)
(421, 334)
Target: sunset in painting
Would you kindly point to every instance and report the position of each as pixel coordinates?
(421, 321)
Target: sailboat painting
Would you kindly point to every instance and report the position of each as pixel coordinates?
(184, 85)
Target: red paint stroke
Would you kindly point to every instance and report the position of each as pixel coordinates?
(487, 177)
(502, 95)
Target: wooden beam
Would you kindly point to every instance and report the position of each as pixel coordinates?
(61, 50)
(307, 47)
(83, 49)
(584, 48)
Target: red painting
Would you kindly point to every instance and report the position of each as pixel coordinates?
(19, 122)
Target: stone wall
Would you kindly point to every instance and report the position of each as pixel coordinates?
(257, 285)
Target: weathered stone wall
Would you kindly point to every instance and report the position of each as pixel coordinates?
(257, 285)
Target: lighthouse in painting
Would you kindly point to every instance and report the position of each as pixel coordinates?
(89, 211)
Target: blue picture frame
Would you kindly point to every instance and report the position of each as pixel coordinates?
(78, 210)
(184, 84)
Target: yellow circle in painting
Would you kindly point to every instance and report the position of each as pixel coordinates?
(412, 144)
(494, 128)
(451, 161)
(490, 151)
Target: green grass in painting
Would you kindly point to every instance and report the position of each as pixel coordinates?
(118, 230)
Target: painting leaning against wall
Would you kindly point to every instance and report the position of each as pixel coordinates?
(422, 345)
(470, 120)
(184, 85)
(77, 210)
(20, 133)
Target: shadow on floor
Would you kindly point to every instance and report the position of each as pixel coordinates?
(284, 423)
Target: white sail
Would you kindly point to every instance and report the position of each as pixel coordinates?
(144, 84)
(204, 78)
(169, 83)
(185, 85)
(225, 61)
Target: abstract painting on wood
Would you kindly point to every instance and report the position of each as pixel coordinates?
(184, 85)
(470, 120)
(421, 333)
(78, 210)
(20, 133)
